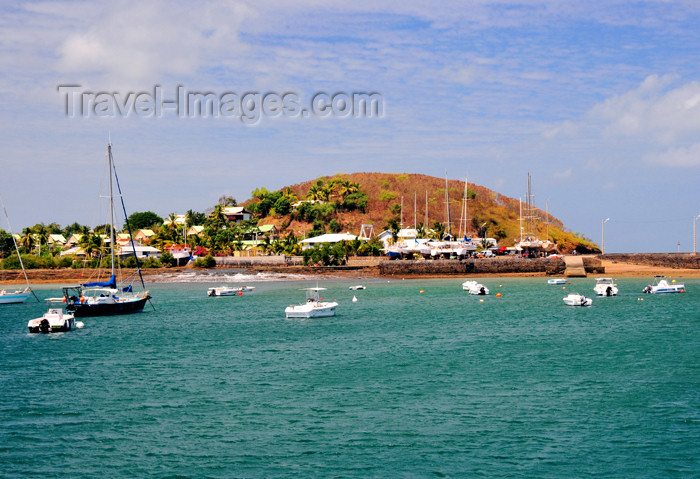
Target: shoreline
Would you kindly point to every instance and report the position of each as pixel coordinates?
(72, 276)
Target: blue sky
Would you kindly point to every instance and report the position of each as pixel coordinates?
(599, 101)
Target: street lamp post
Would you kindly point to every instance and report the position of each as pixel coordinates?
(602, 224)
(695, 244)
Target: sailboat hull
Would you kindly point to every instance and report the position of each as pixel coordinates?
(10, 298)
(81, 310)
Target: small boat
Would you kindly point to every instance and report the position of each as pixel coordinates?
(229, 291)
(661, 285)
(556, 281)
(18, 296)
(475, 287)
(575, 299)
(357, 287)
(314, 307)
(55, 320)
(605, 287)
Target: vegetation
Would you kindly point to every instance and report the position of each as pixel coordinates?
(280, 218)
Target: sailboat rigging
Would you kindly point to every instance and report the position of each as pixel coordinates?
(105, 298)
(18, 296)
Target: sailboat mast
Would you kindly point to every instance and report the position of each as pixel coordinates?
(415, 209)
(520, 205)
(547, 215)
(426, 209)
(9, 226)
(447, 206)
(111, 206)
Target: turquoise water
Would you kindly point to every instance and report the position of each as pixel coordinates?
(398, 384)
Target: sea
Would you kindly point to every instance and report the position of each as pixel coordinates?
(415, 379)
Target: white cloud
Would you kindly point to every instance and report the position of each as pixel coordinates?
(679, 157)
(652, 110)
(144, 41)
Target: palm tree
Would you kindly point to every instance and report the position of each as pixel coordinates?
(92, 244)
(27, 239)
(438, 230)
(314, 193)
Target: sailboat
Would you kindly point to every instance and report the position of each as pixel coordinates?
(19, 295)
(105, 298)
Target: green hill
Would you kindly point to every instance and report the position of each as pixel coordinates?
(344, 202)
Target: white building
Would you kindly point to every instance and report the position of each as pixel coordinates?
(330, 238)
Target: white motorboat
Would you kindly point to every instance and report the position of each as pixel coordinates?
(357, 287)
(661, 285)
(18, 296)
(605, 287)
(314, 307)
(475, 287)
(55, 320)
(229, 290)
(575, 299)
(556, 281)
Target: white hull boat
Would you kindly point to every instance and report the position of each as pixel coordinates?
(357, 287)
(314, 307)
(556, 281)
(605, 287)
(475, 287)
(55, 320)
(661, 286)
(229, 291)
(19, 296)
(575, 299)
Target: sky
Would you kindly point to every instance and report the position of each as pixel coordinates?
(599, 101)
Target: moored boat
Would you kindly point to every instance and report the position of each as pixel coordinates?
(229, 290)
(575, 299)
(661, 285)
(105, 298)
(605, 287)
(556, 281)
(357, 287)
(314, 307)
(17, 296)
(55, 320)
(474, 287)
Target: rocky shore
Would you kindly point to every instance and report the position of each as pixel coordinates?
(617, 265)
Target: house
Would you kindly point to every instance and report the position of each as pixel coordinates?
(57, 240)
(142, 252)
(143, 236)
(257, 232)
(236, 213)
(330, 238)
(196, 230)
(74, 239)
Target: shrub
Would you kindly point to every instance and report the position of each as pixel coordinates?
(152, 263)
(65, 261)
(207, 262)
(167, 260)
(386, 195)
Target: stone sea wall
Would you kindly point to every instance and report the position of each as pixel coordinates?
(666, 260)
(501, 265)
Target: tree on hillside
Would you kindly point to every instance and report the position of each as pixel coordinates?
(144, 219)
(194, 218)
(227, 200)
(76, 228)
(438, 230)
